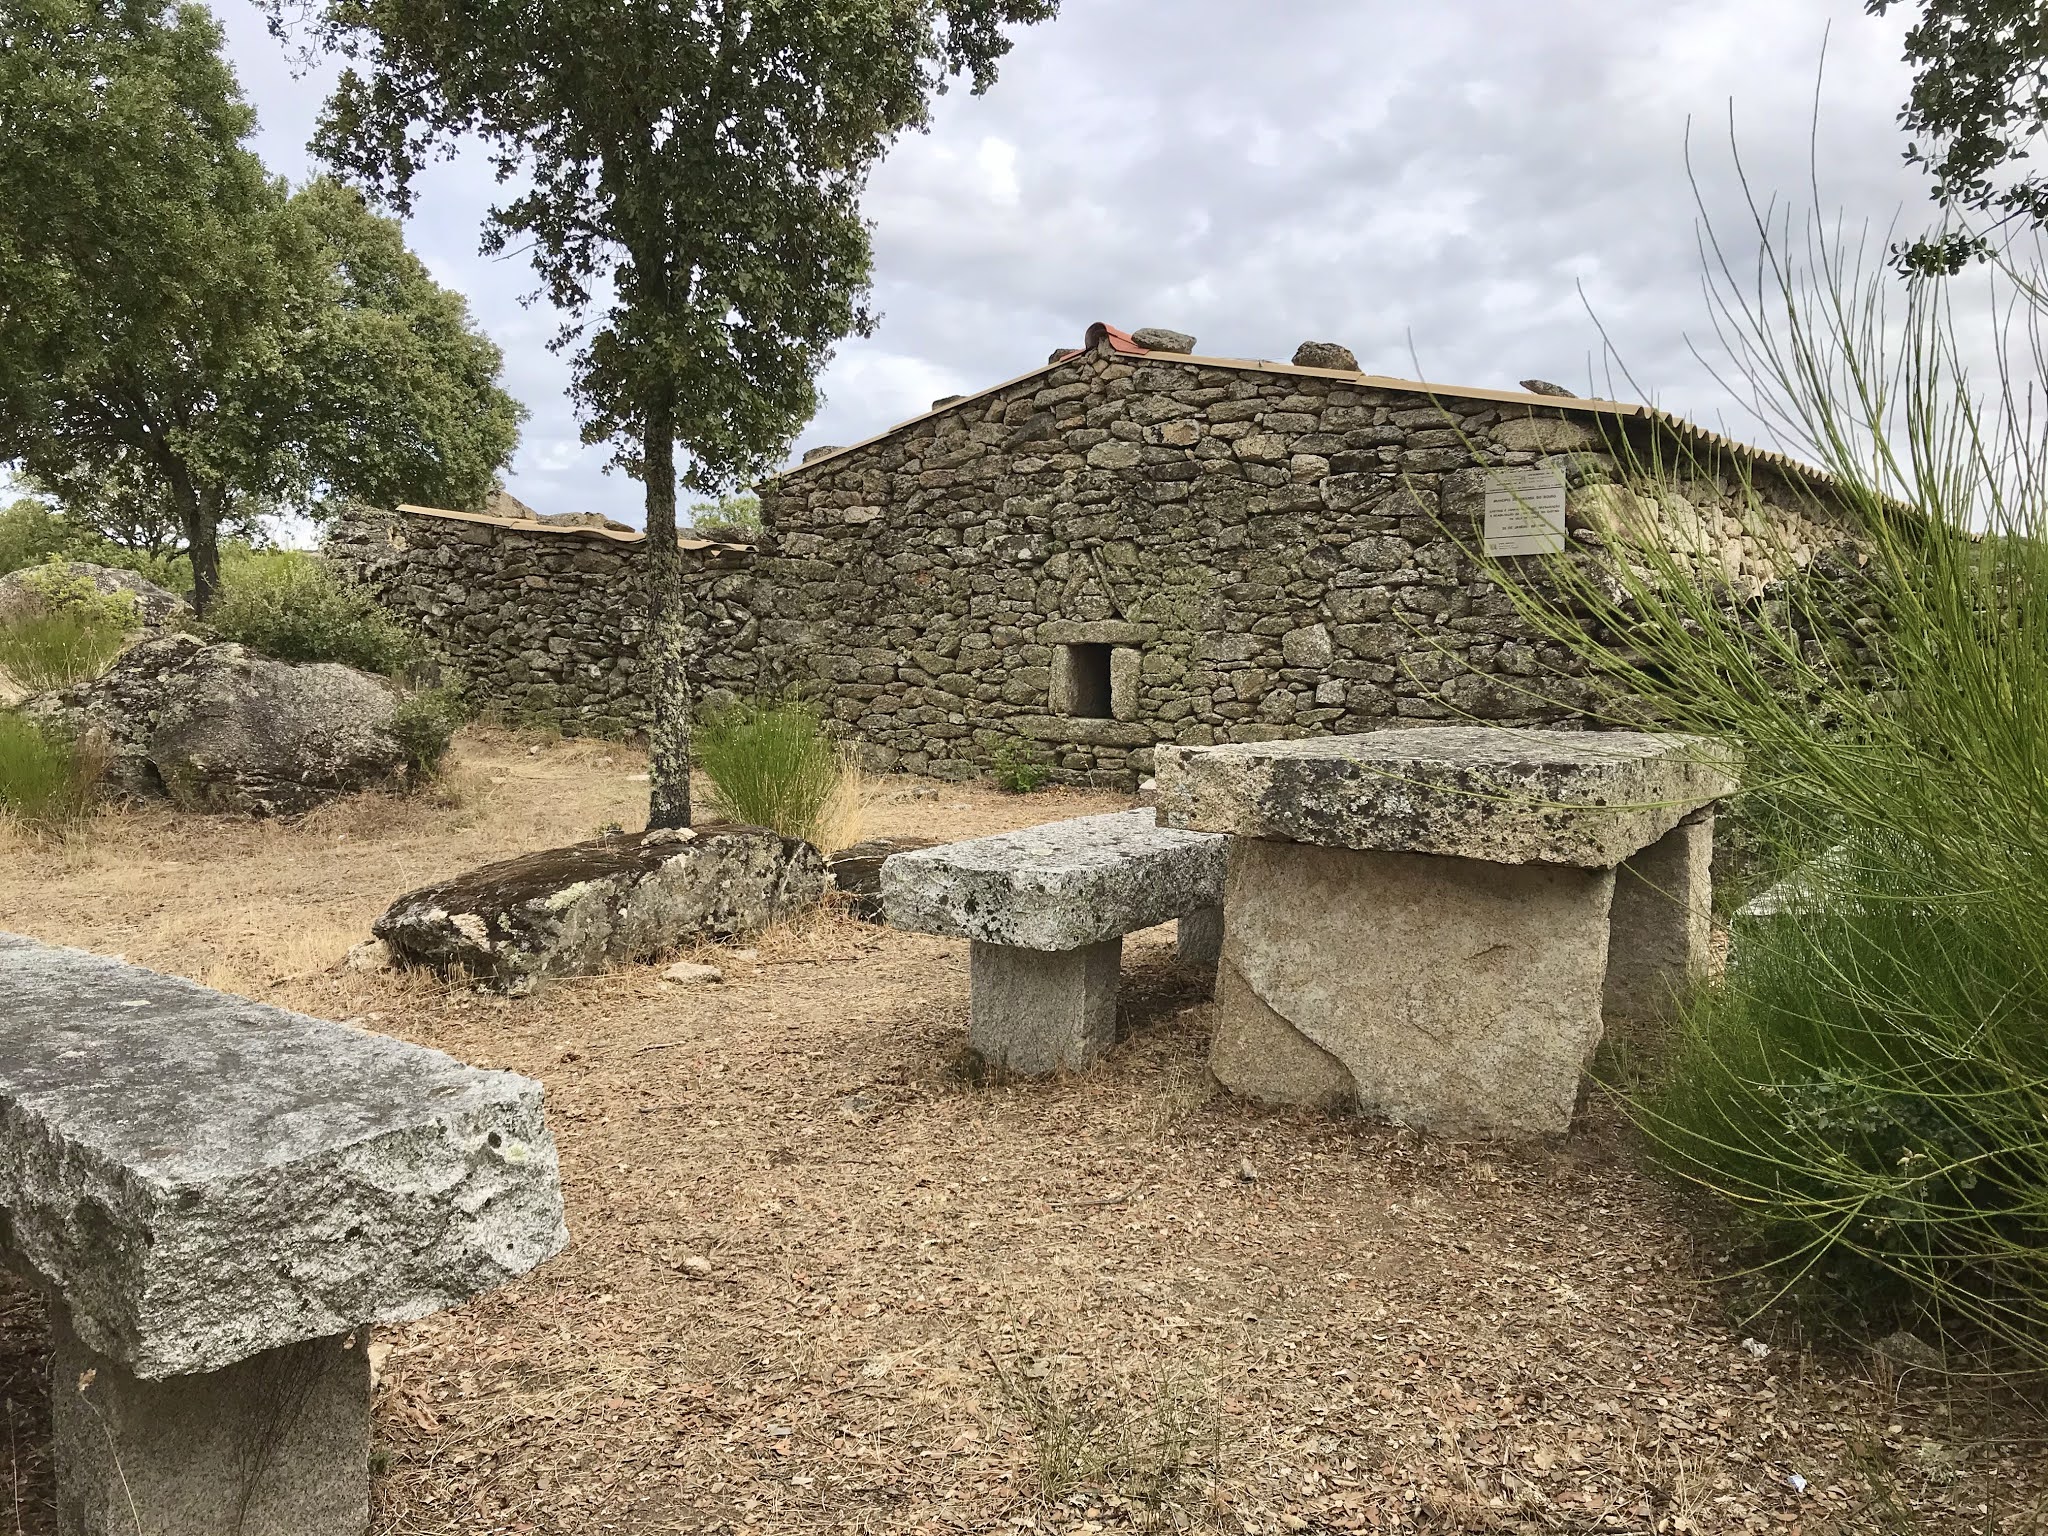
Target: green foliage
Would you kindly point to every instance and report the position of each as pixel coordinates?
(733, 519)
(184, 345)
(772, 765)
(31, 532)
(77, 595)
(1980, 103)
(425, 724)
(1019, 767)
(46, 779)
(1870, 1087)
(1868, 1084)
(290, 605)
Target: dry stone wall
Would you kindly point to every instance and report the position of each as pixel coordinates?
(542, 624)
(1107, 554)
(1262, 552)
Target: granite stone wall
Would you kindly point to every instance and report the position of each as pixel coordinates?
(1108, 553)
(543, 623)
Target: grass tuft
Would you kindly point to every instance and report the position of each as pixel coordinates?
(772, 764)
(41, 651)
(47, 780)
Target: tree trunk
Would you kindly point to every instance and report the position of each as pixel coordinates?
(200, 515)
(666, 651)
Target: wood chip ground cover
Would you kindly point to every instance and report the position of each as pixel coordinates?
(822, 1278)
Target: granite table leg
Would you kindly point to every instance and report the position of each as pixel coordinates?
(1451, 994)
(1198, 939)
(1035, 1011)
(275, 1445)
(1663, 923)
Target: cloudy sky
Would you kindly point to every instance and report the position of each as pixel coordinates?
(1470, 192)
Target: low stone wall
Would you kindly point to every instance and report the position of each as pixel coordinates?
(1106, 554)
(541, 622)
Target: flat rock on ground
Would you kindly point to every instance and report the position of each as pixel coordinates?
(856, 871)
(614, 900)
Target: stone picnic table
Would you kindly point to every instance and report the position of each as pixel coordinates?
(1434, 924)
(1046, 909)
(218, 1198)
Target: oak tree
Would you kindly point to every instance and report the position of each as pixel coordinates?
(1979, 104)
(180, 331)
(685, 176)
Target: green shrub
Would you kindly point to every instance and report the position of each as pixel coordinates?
(1867, 1084)
(289, 605)
(735, 519)
(1019, 767)
(425, 724)
(46, 779)
(30, 533)
(771, 764)
(33, 532)
(55, 650)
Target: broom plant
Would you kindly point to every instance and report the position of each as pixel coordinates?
(1867, 1083)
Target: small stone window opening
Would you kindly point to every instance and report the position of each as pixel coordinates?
(1081, 683)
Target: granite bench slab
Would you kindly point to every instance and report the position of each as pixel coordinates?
(1588, 799)
(1046, 909)
(217, 1195)
(1057, 886)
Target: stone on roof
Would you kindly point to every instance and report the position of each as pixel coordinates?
(1157, 338)
(1325, 354)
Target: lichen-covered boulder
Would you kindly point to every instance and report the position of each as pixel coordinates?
(856, 871)
(27, 592)
(270, 738)
(217, 728)
(614, 900)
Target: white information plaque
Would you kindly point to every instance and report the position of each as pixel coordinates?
(1525, 512)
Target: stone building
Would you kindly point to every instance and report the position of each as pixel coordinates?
(1131, 544)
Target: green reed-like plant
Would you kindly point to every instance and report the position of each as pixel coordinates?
(46, 779)
(772, 764)
(1868, 1082)
(56, 649)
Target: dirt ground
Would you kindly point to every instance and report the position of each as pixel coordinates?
(922, 1302)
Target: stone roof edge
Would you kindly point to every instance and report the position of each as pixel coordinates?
(1702, 436)
(521, 525)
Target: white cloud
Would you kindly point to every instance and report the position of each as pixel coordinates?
(1376, 174)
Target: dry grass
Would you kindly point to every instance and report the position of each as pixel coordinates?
(1051, 1306)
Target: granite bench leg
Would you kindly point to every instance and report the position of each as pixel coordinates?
(1663, 923)
(1036, 1010)
(276, 1445)
(1450, 994)
(1198, 939)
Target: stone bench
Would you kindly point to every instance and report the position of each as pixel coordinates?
(1046, 910)
(218, 1197)
(1434, 923)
